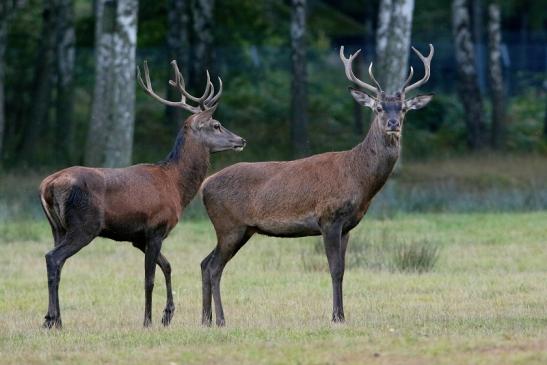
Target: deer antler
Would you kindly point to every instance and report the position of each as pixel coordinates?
(349, 72)
(427, 66)
(206, 101)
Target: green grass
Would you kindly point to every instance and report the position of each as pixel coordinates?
(484, 301)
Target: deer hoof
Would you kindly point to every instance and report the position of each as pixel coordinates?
(338, 318)
(167, 315)
(52, 322)
(147, 322)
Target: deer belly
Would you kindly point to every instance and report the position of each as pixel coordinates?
(300, 227)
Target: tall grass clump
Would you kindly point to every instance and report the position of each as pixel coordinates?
(384, 253)
(418, 256)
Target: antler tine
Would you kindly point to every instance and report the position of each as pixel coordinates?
(181, 84)
(373, 78)
(179, 80)
(214, 100)
(147, 86)
(410, 75)
(427, 66)
(211, 93)
(349, 71)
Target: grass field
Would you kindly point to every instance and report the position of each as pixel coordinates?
(485, 301)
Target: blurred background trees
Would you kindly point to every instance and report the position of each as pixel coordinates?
(67, 75)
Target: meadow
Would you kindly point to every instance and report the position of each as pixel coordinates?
(483, 302)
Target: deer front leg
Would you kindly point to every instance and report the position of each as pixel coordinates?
(151, 254)
(333, 248)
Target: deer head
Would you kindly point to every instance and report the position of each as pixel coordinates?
(201, 124)
(390, 110)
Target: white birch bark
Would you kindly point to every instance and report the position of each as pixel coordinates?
(110, 136)
(393, 43)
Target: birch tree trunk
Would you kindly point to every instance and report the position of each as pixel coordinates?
(299, 92)
(178, 48)
(202, 12)
(393, 47)
(66, 38)
(468, 83)
(110, 136)
(496, 75)
(393, 43)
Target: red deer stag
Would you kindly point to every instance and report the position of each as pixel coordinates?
(141, 203)
(326, 194)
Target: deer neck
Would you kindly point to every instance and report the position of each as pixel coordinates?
(188, 162)
(374, 158)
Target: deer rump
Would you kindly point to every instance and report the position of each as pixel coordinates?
(147, 202)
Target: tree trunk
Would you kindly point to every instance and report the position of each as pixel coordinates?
(110, 136)
(496, 75)
(393, 43)
(479, 42)
(178, 46)
(7, 9)
(202, 12)
(65, 33)
(468, 84)
(3, 42)
(393, 47)
(42, 87)
(299, 93)
(545, 119)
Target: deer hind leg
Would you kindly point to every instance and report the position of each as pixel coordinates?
(151, 254)
(165, 267)
(335, 249)
(55, 259)
(228, 245)
(206, 313)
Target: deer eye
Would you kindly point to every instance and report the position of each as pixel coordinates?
(379, 109)
(216, 126)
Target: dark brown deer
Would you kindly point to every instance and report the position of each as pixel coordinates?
(326, 194)
(141, 203)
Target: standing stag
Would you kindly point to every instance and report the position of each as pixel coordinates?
(141, 203)
(326, 194)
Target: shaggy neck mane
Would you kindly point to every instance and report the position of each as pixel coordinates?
(176, 151)
(189, 161)
(375, 157)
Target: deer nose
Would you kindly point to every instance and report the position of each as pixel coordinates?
(392, 124)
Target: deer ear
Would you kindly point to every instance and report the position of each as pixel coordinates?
(362, 98)
(204, 116)
(418, 102)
